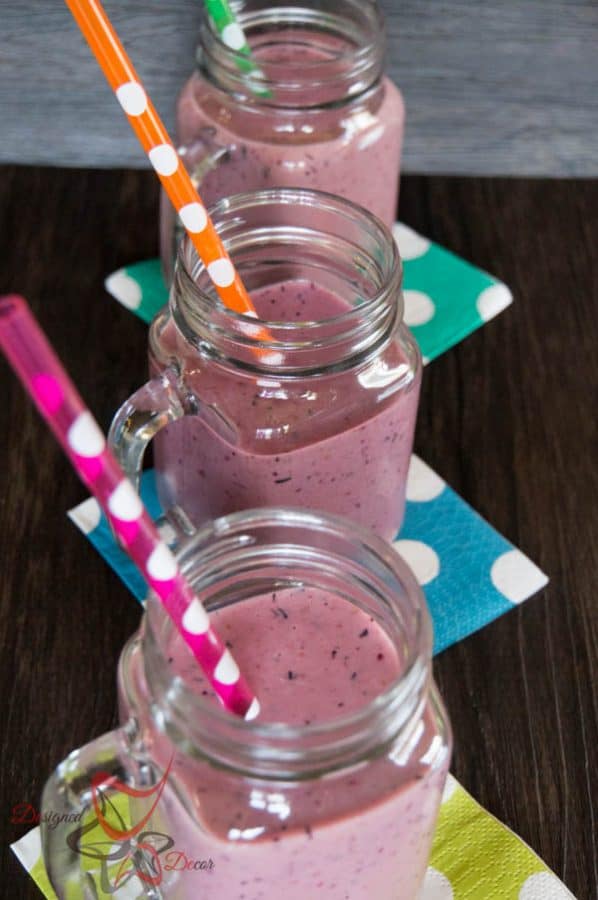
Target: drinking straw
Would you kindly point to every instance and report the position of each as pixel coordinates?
(149, 128)
(35, 362)
(231, 34)
(227, 26)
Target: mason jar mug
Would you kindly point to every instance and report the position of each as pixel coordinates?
(312, 109)
(317, 407)
(332, 792)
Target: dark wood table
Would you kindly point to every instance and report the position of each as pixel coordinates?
(509, 418)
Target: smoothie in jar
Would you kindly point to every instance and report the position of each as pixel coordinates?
(333, 791)
(313, 110)
(318, 446)
(311, 658)
(315, 406)
(360, 162)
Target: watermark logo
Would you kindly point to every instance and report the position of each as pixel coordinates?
(122, 850)
(113, 849)
(27, 814)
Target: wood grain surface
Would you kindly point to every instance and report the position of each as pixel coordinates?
(508, 418)
(499, 87)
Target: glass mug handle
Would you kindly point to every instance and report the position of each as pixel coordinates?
(201, 156)
(77, 865)
(152, 407)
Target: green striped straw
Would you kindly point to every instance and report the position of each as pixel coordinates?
(233, 36)
(227, 26)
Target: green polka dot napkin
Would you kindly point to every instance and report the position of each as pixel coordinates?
(474, 857)
(446, 298)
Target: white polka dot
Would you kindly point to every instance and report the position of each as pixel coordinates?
(544, 886)
(132, 98)
(85, 437)
(125, 503)
(164, 159)
(419, 308)
(28, 849)
(450, 786)
(124, 289)
(253, 711)
(493, 300)
(423, 483)
(161, 564)
(516, 576)
(410, 243)
(436, 886)
(196, 620)
(425, 360)
(232, 35)
(194, 217)
(227, 671)
(87, 516)
(421, 558)
(221, 272)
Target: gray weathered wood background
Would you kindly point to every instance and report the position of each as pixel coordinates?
(491, 87)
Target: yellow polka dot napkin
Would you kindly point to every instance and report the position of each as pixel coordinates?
(474, 857)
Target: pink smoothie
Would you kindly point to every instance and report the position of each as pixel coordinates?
(352, 150)
(328, 442)
(363, 833)
(362, 167)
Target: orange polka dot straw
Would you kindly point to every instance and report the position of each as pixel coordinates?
(153, 137)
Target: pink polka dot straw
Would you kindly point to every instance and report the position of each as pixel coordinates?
(34, 361)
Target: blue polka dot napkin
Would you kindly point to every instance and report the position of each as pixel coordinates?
(469, 573)
(446, 298)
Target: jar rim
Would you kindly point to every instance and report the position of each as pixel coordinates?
(336, 75)
(242, 540)
(369, 255)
